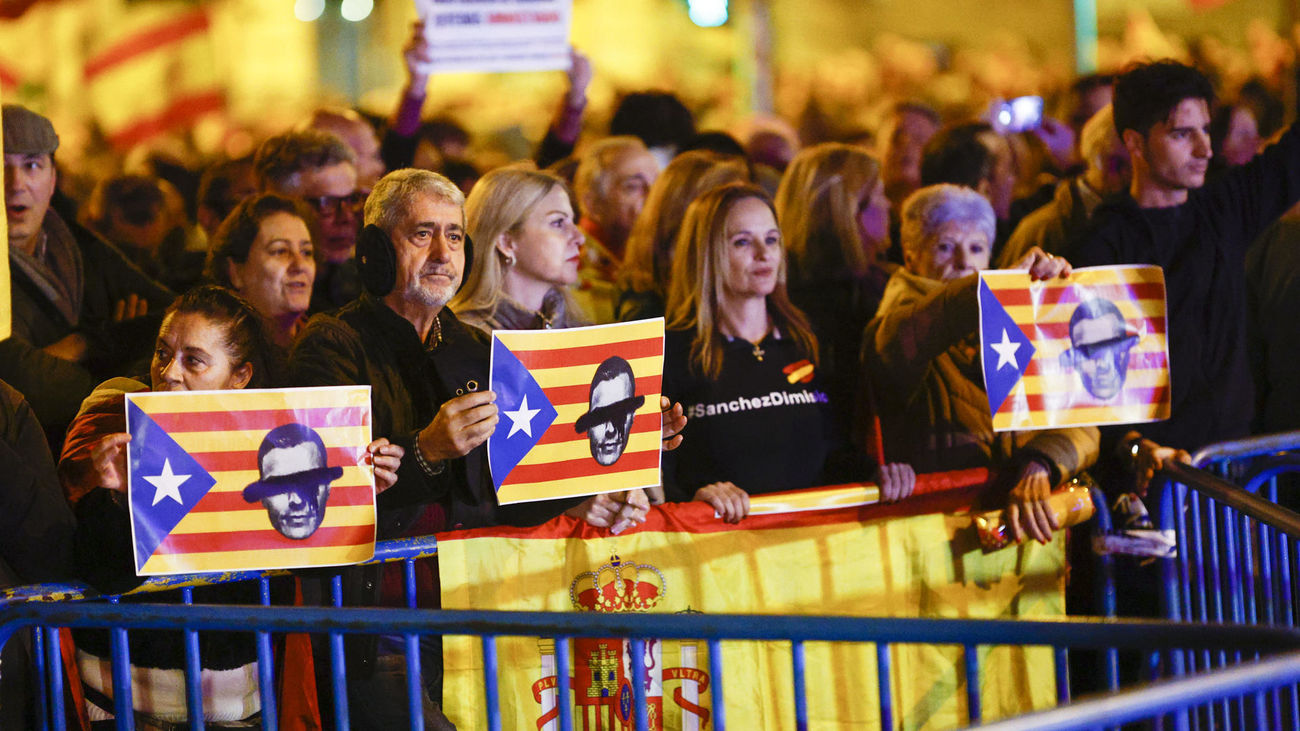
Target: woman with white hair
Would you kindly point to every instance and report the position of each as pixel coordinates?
(527, 253)
(922, 358)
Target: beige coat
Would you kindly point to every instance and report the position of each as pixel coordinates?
(921, 358)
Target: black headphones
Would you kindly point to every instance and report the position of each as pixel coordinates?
(377, 261)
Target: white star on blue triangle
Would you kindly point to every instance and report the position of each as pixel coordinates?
(156, 461)
(527, 410)
(1005, 350)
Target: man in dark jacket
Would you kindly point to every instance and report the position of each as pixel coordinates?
(428, 374)
(81, 310)
(1198, 233)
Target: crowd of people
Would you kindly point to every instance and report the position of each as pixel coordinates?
(820, 306)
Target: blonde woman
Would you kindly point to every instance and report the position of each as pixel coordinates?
(643, 280)
(526, 253)
(835, 219)
(740, 359)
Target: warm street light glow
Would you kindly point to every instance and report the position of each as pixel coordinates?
(707, 13)
(356, 10)
(308, 10)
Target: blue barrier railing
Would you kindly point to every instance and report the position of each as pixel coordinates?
(1163, 697)
(1237, 553)
(884, 632)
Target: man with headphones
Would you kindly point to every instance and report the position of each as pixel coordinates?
(428, 373)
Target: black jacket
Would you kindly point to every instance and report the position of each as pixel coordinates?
(1201, 245)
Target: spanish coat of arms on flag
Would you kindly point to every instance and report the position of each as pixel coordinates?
(1089, 349)
(579, 410)
(249, 479)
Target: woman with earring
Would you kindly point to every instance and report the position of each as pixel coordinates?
(527, 252)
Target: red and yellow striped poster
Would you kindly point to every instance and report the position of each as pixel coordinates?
(1089, 349)
(250, 479)
(6, 305)
(579, 410)
(917, 558)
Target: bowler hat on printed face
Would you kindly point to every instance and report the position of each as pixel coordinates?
(291, 456)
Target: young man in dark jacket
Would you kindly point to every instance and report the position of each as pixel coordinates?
(1198, 233)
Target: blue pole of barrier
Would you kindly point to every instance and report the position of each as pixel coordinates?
(121, 662)
(193, 670)
(636, 648)
(715, 670)
(266, 666)
(797, 675)
(54, 662)
(490, 693)
(562, 683)
(414, 682)
(886, 687)
(1062, 674)
(38, 663)
(973, 683)
(338, 671)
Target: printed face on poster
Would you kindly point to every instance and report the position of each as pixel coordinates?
(1089, 349)
(579, 410)
(250, 479)
(496, 35)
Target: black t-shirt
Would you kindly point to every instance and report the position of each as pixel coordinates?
(762, 424)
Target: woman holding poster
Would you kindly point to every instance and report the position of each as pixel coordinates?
(742, 360)
(210, 339)
(921, 355)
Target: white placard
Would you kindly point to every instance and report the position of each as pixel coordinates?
(497, 35)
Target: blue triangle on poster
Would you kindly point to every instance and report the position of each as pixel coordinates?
(525, 413)
(165, 482)
(1004, 349)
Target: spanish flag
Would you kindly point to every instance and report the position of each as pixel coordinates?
(917, 558)
(1090, 349)
(250, 479)
(579, 410)
(152, 71)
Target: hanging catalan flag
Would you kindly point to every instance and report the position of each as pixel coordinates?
(1090, 349)
(251, 479)
(579, 410)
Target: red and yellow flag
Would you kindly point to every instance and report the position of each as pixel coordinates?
(917, 558)
(1090, 349)
(250, 479)
(153, 72)
(579, 410)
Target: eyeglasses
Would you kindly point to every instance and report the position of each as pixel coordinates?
(336, 205)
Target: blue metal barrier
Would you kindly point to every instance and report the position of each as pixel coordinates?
(1237, 552)
(884, 632)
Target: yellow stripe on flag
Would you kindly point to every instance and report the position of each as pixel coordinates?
(587, 336)
(1062, 383)
(1057, 313)
(1107, 275)
(286, 558)
(581, 375)
(188, 402)
(255, 518)
(590, 485)
(198, 442)
(1080, 416)
(580, 448)
(567, 414)
(237, 480)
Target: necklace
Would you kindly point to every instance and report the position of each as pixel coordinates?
(758, 352)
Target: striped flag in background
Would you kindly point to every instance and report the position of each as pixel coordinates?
(205, 480)
(579, 410)
(1089, 349)
(153, 71)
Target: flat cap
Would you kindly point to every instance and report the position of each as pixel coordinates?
(26, 132)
